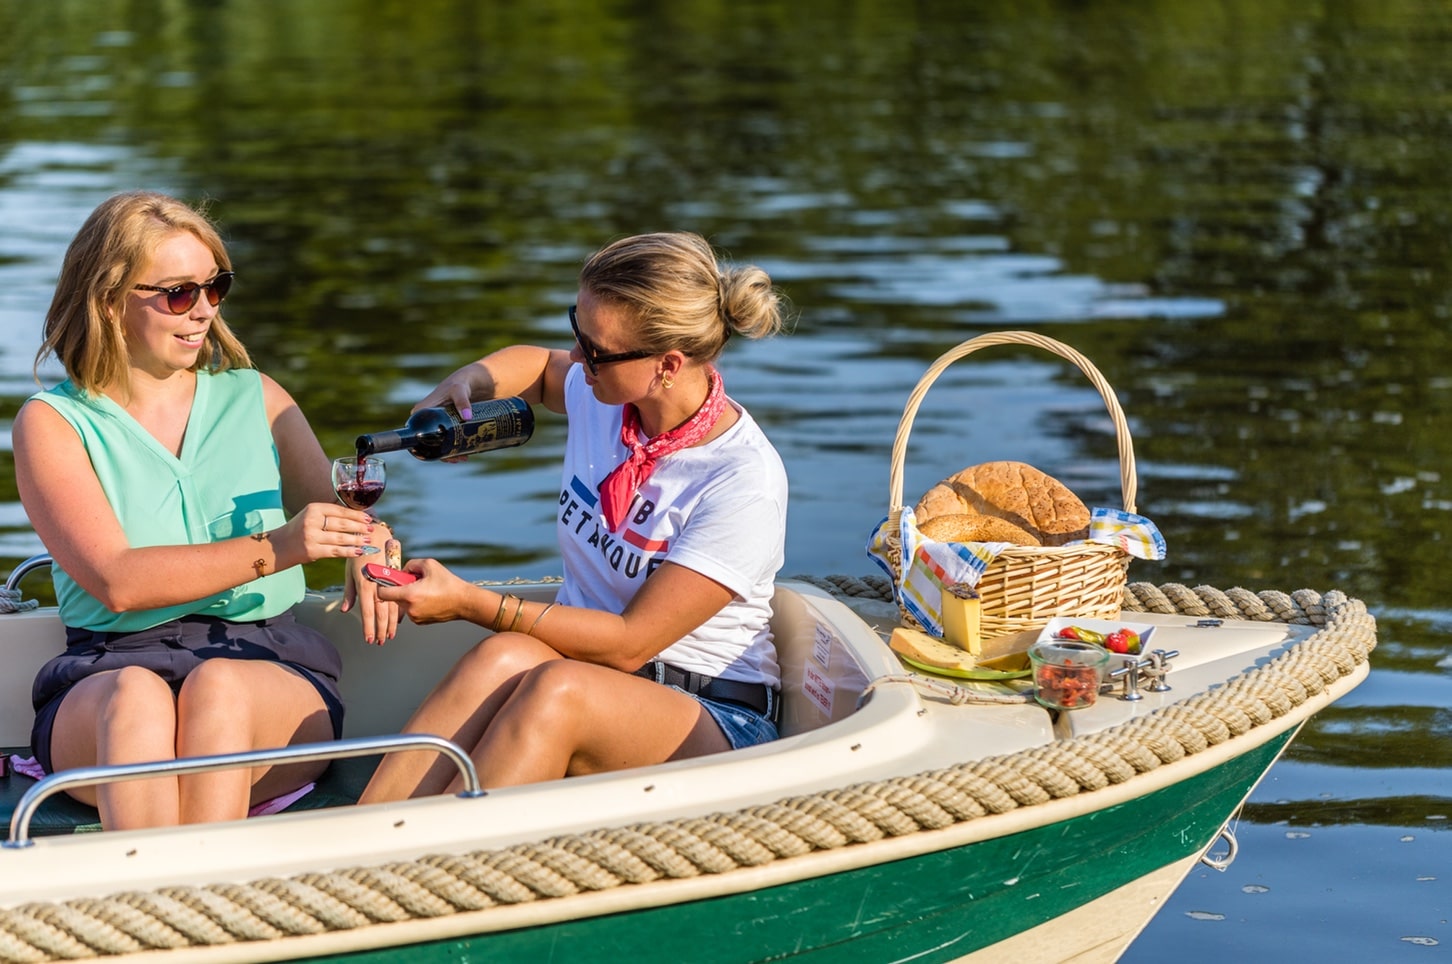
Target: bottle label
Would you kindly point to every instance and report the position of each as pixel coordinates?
(496, 424)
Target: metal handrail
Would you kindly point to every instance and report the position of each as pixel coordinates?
(300, 753)
(40, 561)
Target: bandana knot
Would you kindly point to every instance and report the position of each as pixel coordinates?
(620, 486)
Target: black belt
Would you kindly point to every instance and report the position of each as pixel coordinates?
(757, 696)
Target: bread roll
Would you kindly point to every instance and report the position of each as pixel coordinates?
(1037, 503)
(963, 527)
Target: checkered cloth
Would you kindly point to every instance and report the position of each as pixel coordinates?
(930, 565)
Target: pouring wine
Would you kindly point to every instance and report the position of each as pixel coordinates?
(359, 483)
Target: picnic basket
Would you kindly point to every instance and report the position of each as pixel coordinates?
(1026, 586)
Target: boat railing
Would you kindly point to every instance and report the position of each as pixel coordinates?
(41, 561)
(300, 753)
(10, 598)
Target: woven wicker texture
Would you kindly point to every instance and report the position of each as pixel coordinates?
(1024, 587)
(555, 869)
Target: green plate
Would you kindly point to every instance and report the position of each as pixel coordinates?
(976, 673)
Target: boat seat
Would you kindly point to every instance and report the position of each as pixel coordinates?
(382, 685)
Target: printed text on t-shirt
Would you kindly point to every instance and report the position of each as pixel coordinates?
(578, 517)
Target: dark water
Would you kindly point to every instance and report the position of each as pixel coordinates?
(1239, 210)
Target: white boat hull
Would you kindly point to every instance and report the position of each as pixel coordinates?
(948, 828)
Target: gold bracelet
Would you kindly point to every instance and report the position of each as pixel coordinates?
(260, 567)
(518, 611)
(535, 624)
(503, 600)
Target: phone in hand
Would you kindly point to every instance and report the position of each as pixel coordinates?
(385, 576)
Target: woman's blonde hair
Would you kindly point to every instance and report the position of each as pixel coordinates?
(678, 295)
(83, 327)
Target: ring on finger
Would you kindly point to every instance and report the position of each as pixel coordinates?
(325, 523)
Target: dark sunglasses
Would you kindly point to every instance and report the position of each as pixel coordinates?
(182, 298)
(592, 355)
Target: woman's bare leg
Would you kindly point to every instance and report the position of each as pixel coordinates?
(568, 718)
(460, 708)
(235, 705)
(120, 716)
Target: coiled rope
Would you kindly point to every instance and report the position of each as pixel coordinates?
(12, 602)
(313, 903)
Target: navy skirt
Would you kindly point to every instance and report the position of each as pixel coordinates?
(174, 649)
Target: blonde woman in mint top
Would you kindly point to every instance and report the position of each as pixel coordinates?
(178, 491)
(671, 519)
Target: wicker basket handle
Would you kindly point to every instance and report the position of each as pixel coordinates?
(1127, 479)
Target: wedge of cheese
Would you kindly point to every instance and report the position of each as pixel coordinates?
(963, 618)
(921, 647)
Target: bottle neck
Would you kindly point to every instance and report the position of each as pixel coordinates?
(393, 440)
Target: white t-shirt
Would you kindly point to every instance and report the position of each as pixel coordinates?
(718, 509)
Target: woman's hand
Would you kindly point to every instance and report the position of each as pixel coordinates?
(437, 596)
(380, 619)
(456, 390)
(322, 531)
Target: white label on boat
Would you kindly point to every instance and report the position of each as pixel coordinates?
(822, 646)
(818, 687)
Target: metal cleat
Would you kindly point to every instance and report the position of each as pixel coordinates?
(1158, 669)
(1155, 666)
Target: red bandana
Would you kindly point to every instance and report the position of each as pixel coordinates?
(619, 487)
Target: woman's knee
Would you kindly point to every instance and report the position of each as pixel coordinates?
(211, 682)
(499, 657)
(554, 690)
(134, 689)
(126, 714)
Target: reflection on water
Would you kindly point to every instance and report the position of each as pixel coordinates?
(1237, 210)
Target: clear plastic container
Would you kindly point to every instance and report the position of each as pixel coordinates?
(1067, 673)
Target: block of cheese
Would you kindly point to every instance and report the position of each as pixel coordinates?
(963, 618)
(921, 647)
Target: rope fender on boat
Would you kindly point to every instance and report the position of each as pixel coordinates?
(435, 886)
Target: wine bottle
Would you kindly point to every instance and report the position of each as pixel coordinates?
(439, 433)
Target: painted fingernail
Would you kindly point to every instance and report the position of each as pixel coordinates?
(466, 413)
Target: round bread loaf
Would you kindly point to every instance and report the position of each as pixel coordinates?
(963, 527)
(1037, 503)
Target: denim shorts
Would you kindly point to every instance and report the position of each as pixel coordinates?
(742, 725)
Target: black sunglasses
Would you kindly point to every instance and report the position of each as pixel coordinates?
(182, 298)
(592, 355)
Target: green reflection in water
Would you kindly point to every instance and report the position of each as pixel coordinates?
(1238, 209)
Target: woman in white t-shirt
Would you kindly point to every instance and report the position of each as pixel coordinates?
(671, 521)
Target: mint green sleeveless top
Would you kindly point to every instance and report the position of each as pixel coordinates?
(225, 485)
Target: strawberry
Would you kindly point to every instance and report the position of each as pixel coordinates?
(1122, 641)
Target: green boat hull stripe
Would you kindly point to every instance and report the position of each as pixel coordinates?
(934, 907)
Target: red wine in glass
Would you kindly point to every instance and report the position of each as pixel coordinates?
(358, 483)
(359, 495)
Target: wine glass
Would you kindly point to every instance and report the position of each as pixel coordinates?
(358, 483)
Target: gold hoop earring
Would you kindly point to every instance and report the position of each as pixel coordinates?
(666, 381)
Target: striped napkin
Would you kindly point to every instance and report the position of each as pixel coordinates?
(929, 565)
